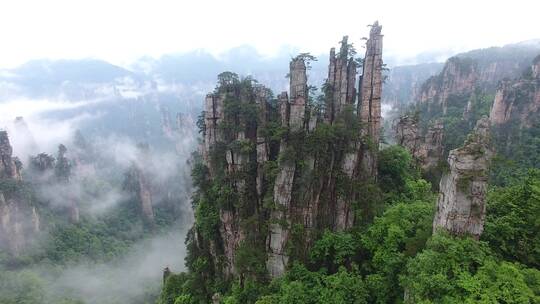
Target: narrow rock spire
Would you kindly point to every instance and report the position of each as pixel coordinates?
(461, 207)
(370, 102)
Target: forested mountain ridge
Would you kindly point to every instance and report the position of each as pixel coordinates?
(296, 197)
(296, 203)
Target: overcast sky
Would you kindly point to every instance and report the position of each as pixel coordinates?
(121, 31)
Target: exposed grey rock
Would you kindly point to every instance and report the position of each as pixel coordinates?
(461, 207)
(298, 94)
(278, 236)
(8, 166)
(426, 150)
(19, 222)
(432, 151)
(213, 115)
(341, 81)
(370, 100)
(518, 100)
(262, 144)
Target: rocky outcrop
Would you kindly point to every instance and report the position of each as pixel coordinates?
(274, 165)
(19, 222)
(466, 73)
(9, 166)
(459, 76)
(19, 219)
(292, 117)
(408, 135)
(341, 82)
(518, 100)
(143, 180)
(63, 175)
(426, 149)
(461, 206)
(370, 100)
(403, 83)
(433, 149)
(213, 115)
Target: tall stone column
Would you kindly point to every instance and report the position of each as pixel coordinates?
(370, 99)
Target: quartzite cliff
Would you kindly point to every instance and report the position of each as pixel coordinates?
(19, 220)
(273, 171)
(461, 207)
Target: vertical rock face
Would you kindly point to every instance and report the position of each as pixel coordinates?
(213, 115)
(63, 175)
(298, 94)
(273, 167)
(9, 166)
(459, 76)
(403, 83)
(426, 150)
(292, 116)
(433, 149)
(341, 81)
(263, 149)
(407, 134)
(518, 100)
(144, 186)
(461, 205)
(476, 71)
(370, 99)
(19, 220)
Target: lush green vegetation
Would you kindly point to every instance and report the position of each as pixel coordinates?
(81, 251)
(391, 254)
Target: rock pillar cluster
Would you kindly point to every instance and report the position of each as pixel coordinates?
(341, 81)
(19, 220)
(266, 179)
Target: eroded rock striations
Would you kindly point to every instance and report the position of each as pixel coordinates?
(370, 99)
(9, 166)
(518, 100)
(426, 149)
(461, 207)
(467, 74)
(19, 219)
(272, 177)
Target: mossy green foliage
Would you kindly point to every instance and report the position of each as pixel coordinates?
(301, 286)
(455, 270)
(512, 227)
(393, 239)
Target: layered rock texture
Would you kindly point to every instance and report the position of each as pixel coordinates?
(369, 107)
(10, 166)
(461, 207)
(467, 73)
(518, 100)
(19, 219)
(276, 172)
(427, 149)
(403, 83)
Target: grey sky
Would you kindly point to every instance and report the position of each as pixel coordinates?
(120, 31)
